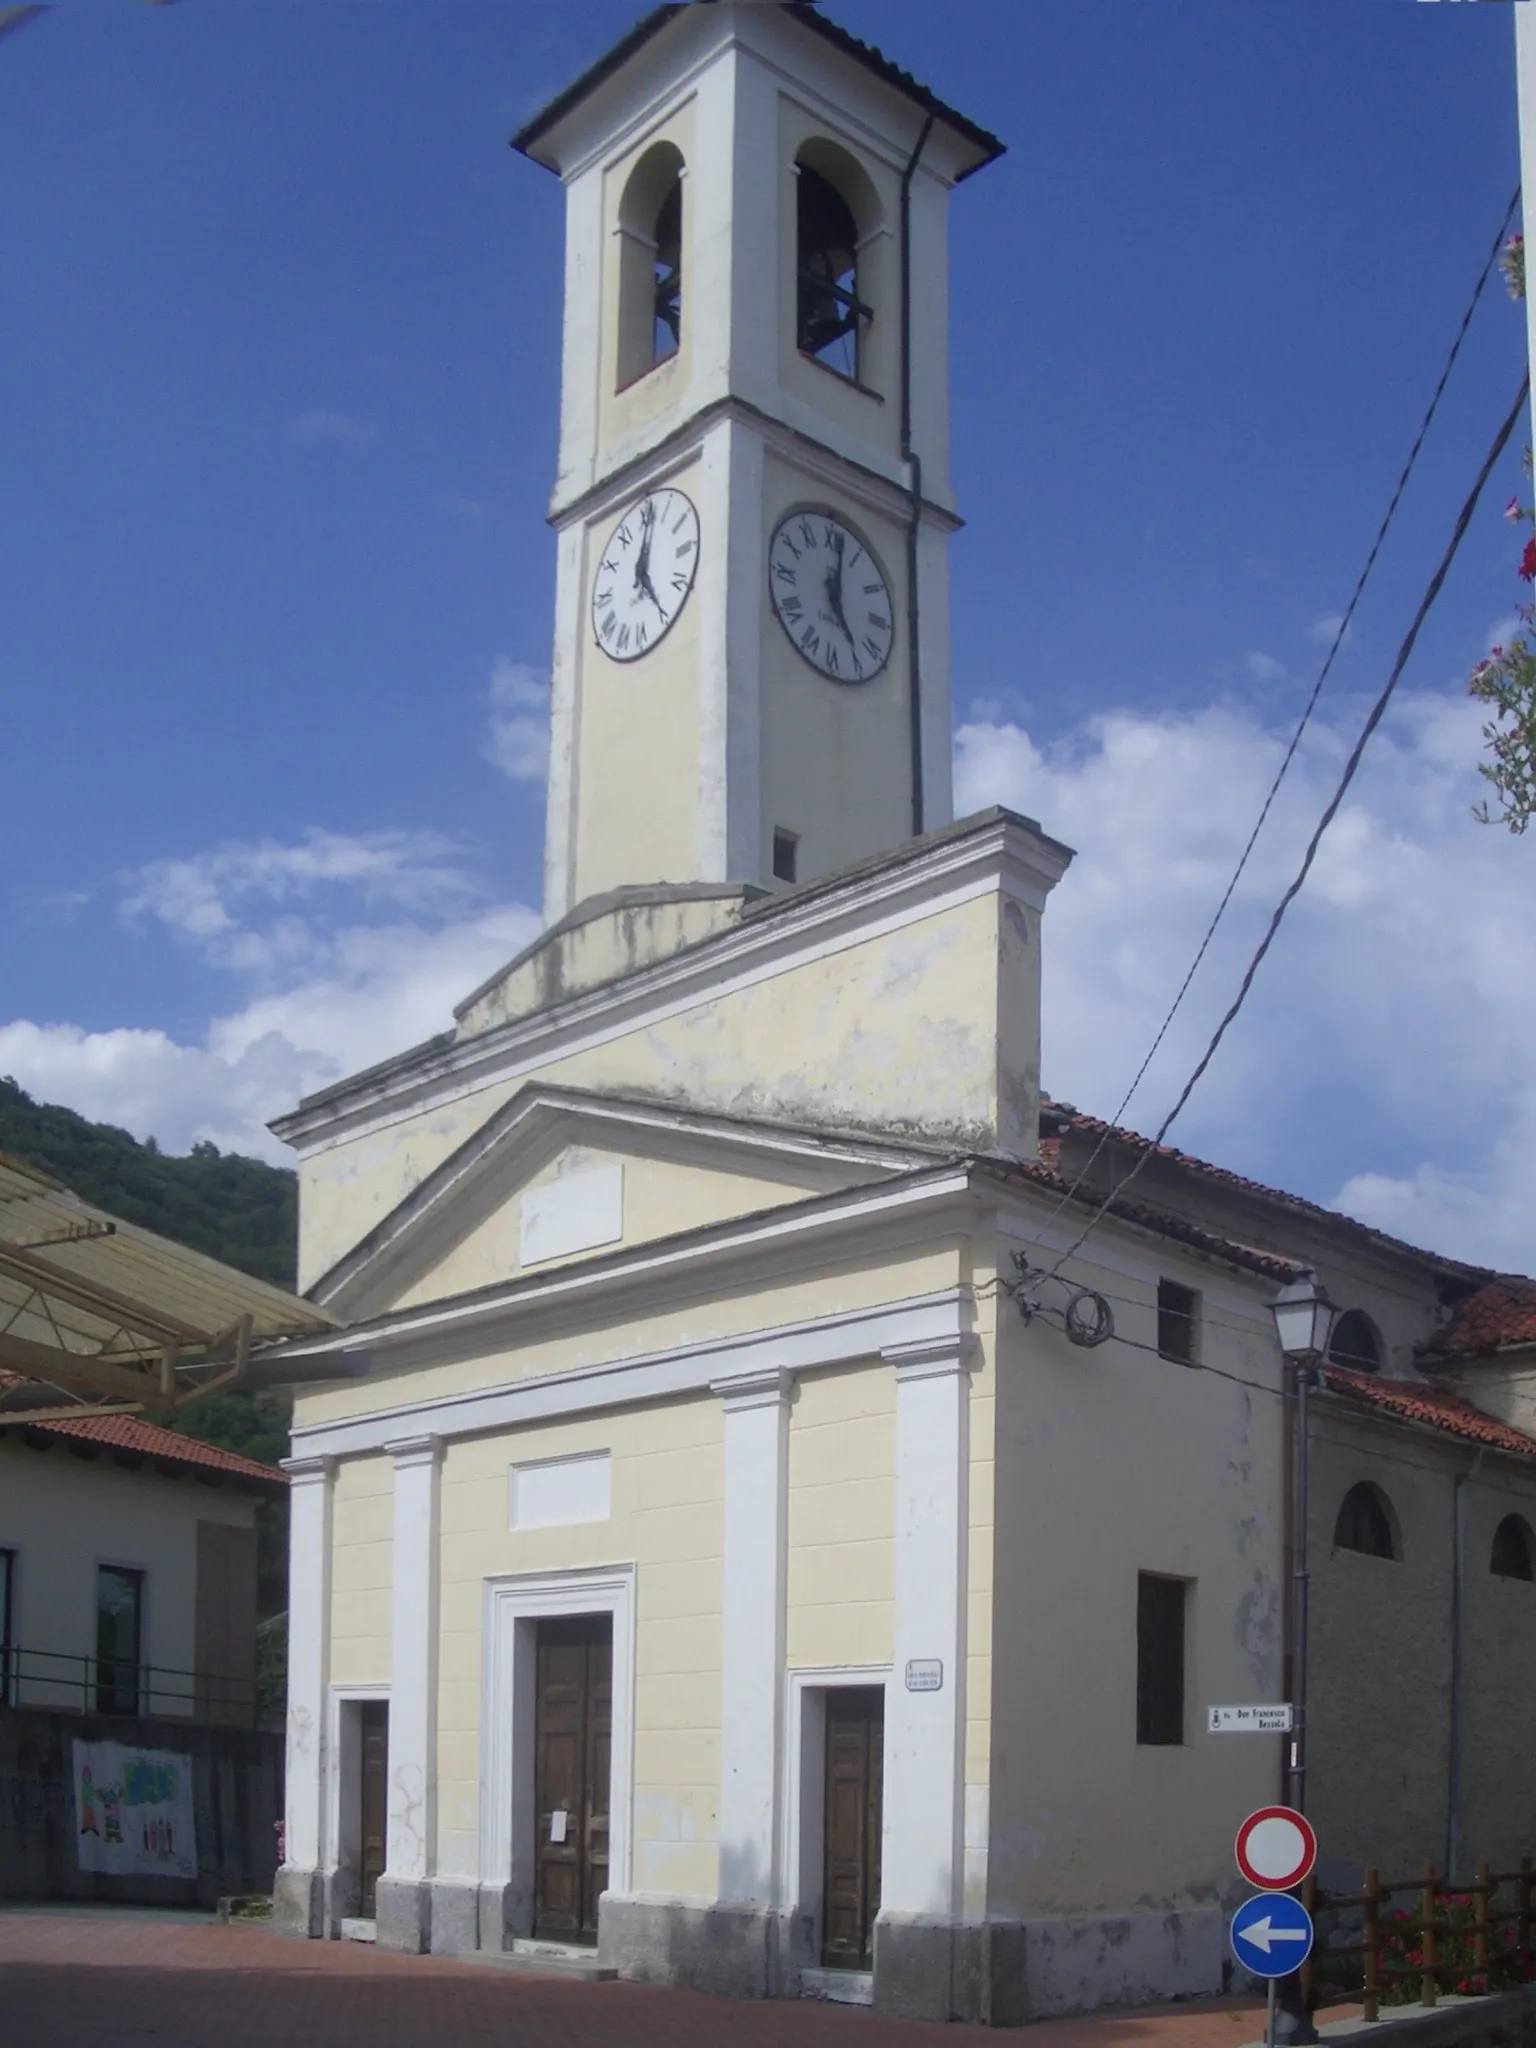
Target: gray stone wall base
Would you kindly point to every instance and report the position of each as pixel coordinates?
(403, 1915)
(729, 1950)
(1082, 1962)
(454, 1926)
(915, 1958)
(298, 1902)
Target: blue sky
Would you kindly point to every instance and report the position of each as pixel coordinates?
(279, 325)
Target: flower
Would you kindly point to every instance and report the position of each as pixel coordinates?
(1513, 513)
(1528, 561)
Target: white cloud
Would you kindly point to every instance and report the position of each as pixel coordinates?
(516, 738)
(1391, 1022)
(1324, 631)
(343, 951)
(1263, 667)
(325, 424)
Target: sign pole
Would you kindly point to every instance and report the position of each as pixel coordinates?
(1269, 2022)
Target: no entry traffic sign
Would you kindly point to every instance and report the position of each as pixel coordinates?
(1276, 1848)
(1271, 1935)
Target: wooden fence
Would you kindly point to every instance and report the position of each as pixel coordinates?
(1469, 1938)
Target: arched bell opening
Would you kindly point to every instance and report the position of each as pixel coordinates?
(836, 212)
(651, 263)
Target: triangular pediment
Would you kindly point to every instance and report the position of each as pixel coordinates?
(558, 1174)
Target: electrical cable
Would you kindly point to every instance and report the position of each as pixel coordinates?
(1330, 811)
(1310, 706)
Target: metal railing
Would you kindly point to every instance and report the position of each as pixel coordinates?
(114, 1685)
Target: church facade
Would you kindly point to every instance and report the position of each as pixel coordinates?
(747, 1535)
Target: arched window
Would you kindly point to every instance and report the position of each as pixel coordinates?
(651, 263)
(1365, 1522)
(831, 315)
(1355, 1343)
(1512, 1549)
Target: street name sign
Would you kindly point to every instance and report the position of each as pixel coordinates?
(1249, 1720)
(1272, 1934)
(1275, 1848)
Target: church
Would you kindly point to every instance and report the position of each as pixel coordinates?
(776, 1513)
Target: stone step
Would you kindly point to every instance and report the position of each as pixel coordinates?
(553, 1959)
(841, 1987)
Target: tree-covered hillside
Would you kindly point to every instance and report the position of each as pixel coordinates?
(239, 1210)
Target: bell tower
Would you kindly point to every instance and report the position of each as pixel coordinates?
(751, 673)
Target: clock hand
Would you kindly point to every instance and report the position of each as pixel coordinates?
(835, 587)
(643, 560)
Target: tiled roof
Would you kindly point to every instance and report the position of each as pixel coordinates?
(1497, 1316)
(1065, 1117)
(805, 11)
(147, 1440)
(1431, 1404)
(1249, 1258)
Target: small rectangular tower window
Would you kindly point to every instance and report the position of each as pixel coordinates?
(1160, 1605)
(1178, 1322)
(785, 847)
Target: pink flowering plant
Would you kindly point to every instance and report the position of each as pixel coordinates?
(1506, 678)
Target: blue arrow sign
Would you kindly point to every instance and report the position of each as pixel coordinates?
(1272, 1934)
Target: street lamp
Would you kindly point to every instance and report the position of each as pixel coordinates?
(1303, 1323)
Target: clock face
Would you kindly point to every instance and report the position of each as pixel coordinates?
(831, 599)
(645, 574)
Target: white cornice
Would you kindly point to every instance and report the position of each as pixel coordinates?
(760, 1357)
(998, 853)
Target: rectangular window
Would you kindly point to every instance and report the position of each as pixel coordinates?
(7, 1627)
(119, 1639)
(1160, 1605)
(1178, 1322)
(785, 845)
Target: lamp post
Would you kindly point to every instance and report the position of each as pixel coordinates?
(1303, 1324)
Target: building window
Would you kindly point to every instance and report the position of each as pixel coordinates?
(1365, 1523)
(785, 848)
(1512, 1548)
(7, 1628)
(651, 263)
(831, 316)
(1160, 1616)
(1355, 1343)
(1178, 1312)
(119, 1639)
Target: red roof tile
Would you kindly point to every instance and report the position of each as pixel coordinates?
(1431, 1404)
(1095, 1127)
(148, 1440)
(1499, 1314)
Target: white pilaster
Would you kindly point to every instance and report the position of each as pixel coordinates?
(413, 1660)
(752, 1630)
(925, 1729)
(311, 1488)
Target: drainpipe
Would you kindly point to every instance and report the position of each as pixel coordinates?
(1458, 1627)
(914, 464)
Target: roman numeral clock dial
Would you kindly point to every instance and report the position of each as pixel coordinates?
(645, 574)
(830, 597)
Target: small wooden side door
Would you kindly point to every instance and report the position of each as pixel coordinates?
(373, 1763)
(573, 1747)
(851, 1872)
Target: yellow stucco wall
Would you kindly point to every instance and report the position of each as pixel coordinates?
(842, 1465)
(362, 1565)
(666, 1520)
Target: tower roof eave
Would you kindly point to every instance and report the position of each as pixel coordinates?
(527, 139)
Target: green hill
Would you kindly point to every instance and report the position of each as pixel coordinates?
(239, 1210)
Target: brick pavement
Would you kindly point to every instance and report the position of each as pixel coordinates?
(70, 1979)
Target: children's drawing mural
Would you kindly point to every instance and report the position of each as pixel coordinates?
(133, 1811)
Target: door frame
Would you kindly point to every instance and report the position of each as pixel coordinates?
(804, 1802)
(514, 1606)
(341, 1852)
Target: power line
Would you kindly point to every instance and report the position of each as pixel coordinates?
(1305, 720)
(1330, 811)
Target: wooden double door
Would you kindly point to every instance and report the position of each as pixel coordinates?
(851, 1867)
(573, 1751)
(373, 1766)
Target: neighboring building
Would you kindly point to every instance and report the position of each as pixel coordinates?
(128, 1570)
(744, 1548)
